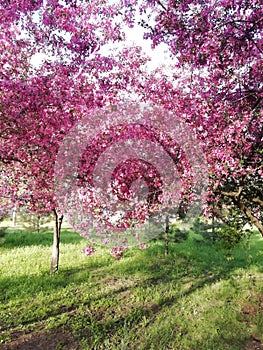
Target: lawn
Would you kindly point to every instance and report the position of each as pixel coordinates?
(197, 297)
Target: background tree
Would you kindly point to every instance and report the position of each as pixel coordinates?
(217, 72)
(39, 104)
(215, 85)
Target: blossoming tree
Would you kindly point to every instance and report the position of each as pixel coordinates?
(40, 104)
(214, 86)
(217, 72)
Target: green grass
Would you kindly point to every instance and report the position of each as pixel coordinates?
(197, 297)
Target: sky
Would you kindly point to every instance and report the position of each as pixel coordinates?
(134, 37)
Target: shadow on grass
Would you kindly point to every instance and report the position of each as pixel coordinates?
(200, 264)
(97, 284)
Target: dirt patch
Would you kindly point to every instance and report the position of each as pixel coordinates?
(253, 307)
(254, 345)
(250, 310)
(41, 340)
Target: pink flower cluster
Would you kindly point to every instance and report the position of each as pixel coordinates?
(89, 250)
(117, 252)
(143, 246)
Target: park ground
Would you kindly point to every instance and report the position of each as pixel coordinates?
(200, 296)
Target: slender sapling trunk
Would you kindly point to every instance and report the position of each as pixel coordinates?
(166, 235)
(56, 240)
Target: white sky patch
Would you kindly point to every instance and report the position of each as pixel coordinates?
(38, 59)
(134, 37)
(159, 56)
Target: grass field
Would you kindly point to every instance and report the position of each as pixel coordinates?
(195, 298)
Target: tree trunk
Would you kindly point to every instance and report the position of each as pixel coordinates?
(56, 239)
(213, 223)
(237, 199)
(38, 224)
(253, 219)
(14, 216)
(166, 236)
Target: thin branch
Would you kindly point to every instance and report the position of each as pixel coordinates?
(258, 200)
(159, 3)
(233, 194)
(6, 129)
(11, 160)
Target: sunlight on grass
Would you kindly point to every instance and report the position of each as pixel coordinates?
(195, 298)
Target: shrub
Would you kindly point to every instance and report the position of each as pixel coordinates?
(207, 231)
(176, 234)
(229, 233)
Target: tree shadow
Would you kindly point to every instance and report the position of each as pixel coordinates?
(196, 265)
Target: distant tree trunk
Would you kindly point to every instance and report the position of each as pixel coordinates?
(56, 239)
(38, 223)
(213, 221)
(166, 235)
(14, 216)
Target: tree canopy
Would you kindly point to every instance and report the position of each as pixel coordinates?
(214, 86)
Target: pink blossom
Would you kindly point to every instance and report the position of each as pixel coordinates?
(89, 250)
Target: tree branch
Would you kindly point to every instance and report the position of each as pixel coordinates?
(233, 194)
(254, 220)
(159, 3)
(258, 200)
